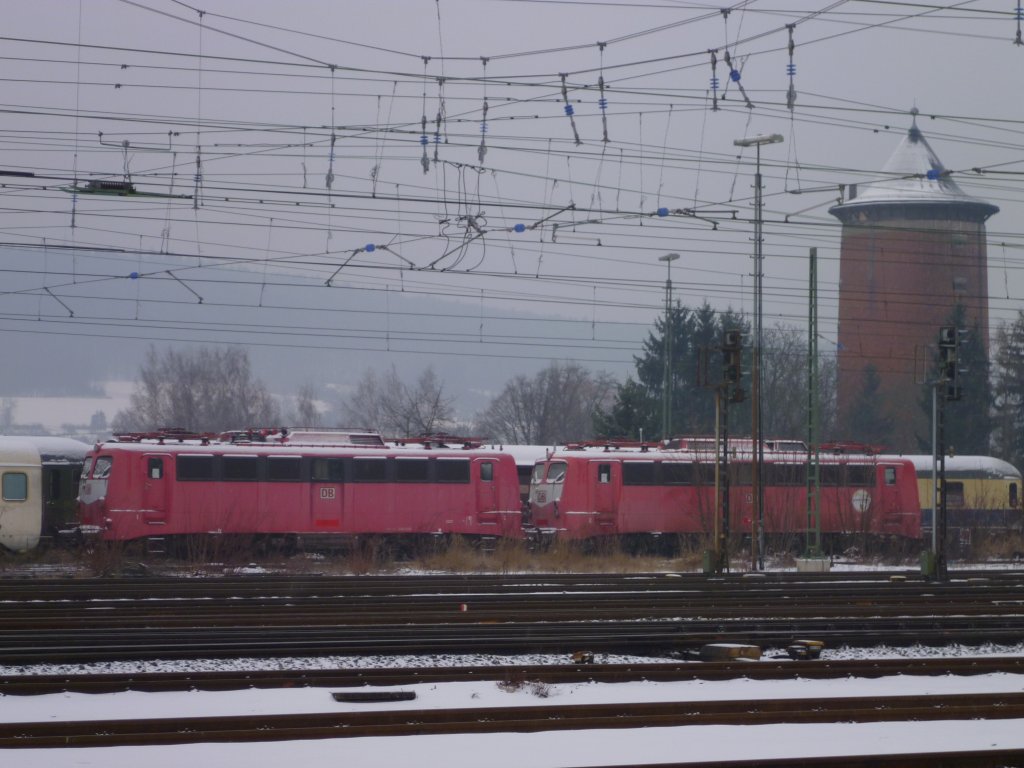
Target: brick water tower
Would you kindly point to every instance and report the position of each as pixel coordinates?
(913, 247)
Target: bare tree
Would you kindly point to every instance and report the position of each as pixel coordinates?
(208, 390)
(785, 386)
(307, 412)
(7, 407)
(389, 405)
(557, 405)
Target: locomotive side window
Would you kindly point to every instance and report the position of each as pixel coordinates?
(101, 468)
(704, 473)
(192, 467)
(786, 474)
(15, 486)
(284, 468)
(1013, 495)
(638, 473)
(155, 468)
(890, 475)
(328, 470)
(241, 467)
(411, 470)
(677, 473)
(831, 475)
(452, 471)
(487, 471)
(604, 473)
(740, 473)
(860, 474)
(369, 470)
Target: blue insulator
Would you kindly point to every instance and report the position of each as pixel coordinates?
(602, 103)
(1020, 13)
(519, 227)
(714, 83)
(370, 248)
(933, 173)
(437, 138)
(568, 110)
(483, 127)
(791, 69)
(197, 178)
(134, 275)
(424, 139)
(663, 211)
(734, 75)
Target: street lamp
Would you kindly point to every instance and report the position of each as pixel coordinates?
(666, 391)
(757, 420)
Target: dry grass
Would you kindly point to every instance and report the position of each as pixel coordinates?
(1004, 546)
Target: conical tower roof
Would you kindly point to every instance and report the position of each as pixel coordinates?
(914, 178)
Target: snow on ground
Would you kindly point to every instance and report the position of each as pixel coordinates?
(468, 660)
(539, 750)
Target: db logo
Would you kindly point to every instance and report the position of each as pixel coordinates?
(326, 493)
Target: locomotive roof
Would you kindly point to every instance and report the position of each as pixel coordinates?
(744, 453)
(215, 447)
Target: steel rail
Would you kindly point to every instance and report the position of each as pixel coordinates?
(404, 722)
(32, 684)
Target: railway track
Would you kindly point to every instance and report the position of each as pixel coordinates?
(648, 614)
(641, 615)
(521, 719)
(550, 674)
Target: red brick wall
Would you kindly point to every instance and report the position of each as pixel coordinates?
(899, 280)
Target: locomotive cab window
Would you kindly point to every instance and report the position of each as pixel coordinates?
(15, 486)
(556, 472)
(101, 468)
(452, 471)
(1014, 501)
(487, 471)
(154, 468)
(284, 468)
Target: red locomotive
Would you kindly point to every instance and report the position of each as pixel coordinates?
(642, 492)
(296, 486)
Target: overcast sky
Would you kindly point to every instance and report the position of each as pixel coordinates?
(521, 218)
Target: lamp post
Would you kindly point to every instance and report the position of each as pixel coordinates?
(757, 420)
(666, 391)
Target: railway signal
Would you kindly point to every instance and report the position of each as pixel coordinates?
(949, 361)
